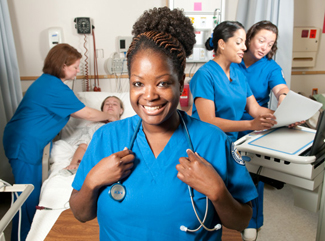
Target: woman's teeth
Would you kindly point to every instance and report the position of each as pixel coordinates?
(151, 108)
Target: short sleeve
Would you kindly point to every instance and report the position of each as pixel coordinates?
(61, 100)
(201, 86)
(276, 77)
(239, 181)
(249, 91)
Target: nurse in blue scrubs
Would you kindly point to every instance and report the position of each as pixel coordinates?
(220, 91)
(264, 75)
(135, 173)
(262, 72)
(40, 116)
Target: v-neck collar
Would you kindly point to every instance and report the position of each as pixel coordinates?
(253, 66)
(168, 156)
(232, 75)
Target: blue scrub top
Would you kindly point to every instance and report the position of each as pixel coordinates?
(262, 77)
(210, 82)
(40, 116)
(157, 203)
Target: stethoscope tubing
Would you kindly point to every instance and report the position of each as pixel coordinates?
(182, 228)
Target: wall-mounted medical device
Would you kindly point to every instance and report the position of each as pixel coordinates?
(55, 36)
(305, 46)
(83, 25)
(204, 24)
(118, 64)
(123, 43)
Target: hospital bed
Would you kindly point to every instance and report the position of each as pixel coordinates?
(292, 156)
(56, 188)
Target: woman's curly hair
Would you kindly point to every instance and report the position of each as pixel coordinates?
(165, 30)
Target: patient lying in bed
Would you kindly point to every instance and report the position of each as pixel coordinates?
(112, 105)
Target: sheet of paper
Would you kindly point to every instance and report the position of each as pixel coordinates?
(295, 108)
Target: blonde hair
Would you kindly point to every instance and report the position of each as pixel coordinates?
(112, 96)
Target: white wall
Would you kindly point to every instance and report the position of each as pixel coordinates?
(209, 6)
(32, 18)
(310, 13)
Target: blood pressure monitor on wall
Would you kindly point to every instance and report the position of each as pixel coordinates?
(83, 25)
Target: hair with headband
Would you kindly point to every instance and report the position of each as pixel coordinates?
(164, 30)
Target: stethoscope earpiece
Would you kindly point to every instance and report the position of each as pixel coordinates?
(185, 229)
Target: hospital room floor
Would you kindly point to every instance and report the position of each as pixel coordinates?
(282, 220)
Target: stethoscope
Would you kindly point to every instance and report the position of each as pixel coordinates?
(118, 191)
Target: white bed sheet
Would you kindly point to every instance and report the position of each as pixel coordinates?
(56, 190)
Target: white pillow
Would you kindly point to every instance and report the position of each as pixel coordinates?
(94, 100)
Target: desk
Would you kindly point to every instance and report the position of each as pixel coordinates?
(67, 227)
(277, 153)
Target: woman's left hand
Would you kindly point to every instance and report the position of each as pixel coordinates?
(200, 175)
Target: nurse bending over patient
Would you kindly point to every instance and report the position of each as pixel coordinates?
(40, 116)
(157, 166)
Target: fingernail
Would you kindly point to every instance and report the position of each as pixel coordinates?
(125, 148)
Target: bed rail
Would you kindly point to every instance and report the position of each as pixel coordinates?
(46, 162)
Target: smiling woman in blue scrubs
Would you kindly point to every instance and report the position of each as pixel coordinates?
(158, 166)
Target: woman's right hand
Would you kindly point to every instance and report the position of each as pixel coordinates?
(111, 169)
(263, 122)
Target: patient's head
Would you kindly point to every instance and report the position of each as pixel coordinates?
(113, 105)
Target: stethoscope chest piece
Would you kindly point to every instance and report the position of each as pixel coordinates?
(117, 192)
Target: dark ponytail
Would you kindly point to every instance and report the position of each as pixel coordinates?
(224, 31)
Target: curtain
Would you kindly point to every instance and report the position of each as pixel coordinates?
(280, 13)
(10, 87)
